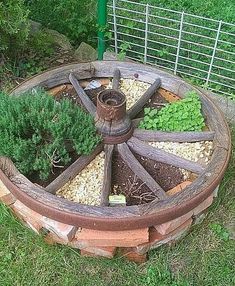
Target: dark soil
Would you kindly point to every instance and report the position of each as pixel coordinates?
(166, 175)
(125, 181)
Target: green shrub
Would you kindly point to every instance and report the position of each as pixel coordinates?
(13, 26)
(36, 132)
(76, 19)
(182, 115)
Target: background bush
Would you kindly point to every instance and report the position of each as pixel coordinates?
(76, 19)
(13, 26)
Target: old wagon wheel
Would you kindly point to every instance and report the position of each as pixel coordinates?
(119, 132)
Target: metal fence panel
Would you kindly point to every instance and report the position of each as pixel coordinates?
(196, 48)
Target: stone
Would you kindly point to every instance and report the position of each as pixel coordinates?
(108, 252)
(59, 39)
(178, 188)
(34, 27)
(216, 191)
(126, 238)
(230, 227)
(110, 56)
(85, 53)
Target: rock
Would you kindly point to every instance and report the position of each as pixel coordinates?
(85, 53)
(59, 39)
(231, 230)
(34, 27)
(110, 56)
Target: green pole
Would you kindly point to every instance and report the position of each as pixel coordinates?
(102, 21)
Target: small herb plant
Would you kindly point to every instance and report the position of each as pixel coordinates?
(220, 231)
(37, 132)
(182, 115)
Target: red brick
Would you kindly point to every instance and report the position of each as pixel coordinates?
(170, 226)
(30, 224)
(64, 231)
(51, 238)
(127, 238)
(157, 239)
(37, 221)
(5, 195)
(27, 212)
(131, 255)
(178, 188)
(107, 252)
(204, 205)
(8, 199)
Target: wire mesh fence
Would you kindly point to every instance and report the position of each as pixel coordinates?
(193, 47)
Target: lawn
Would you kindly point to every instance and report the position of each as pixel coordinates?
(204, 257)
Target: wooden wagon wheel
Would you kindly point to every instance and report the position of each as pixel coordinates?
(120, 133)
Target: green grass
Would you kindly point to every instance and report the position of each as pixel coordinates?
(204, 257)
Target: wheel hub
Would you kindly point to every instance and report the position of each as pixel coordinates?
(112, 120)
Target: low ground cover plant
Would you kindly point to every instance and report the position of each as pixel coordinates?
(38, 133)
(182, 115)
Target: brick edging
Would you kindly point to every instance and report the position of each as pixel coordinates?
(131, 244)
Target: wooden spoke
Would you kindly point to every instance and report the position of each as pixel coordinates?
(107, 181)
(140, 171)
(89, 105)
(136, 108)
(161, 136)
(150, 152)
(116, 79)
(72, 171)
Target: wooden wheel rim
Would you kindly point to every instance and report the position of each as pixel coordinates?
(131, 217)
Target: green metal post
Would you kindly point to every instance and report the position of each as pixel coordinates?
(102, 21)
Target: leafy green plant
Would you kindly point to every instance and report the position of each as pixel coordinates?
(124, 47)
(160, 275)
(182, 115)
(37, 132)
(220, 231)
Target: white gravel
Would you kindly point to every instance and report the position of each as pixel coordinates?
(197, 152)
(86, 187)
(133, 89)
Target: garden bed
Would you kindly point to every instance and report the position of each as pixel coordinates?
(164, 176)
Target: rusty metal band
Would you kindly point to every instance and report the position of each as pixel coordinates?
(118, 139)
